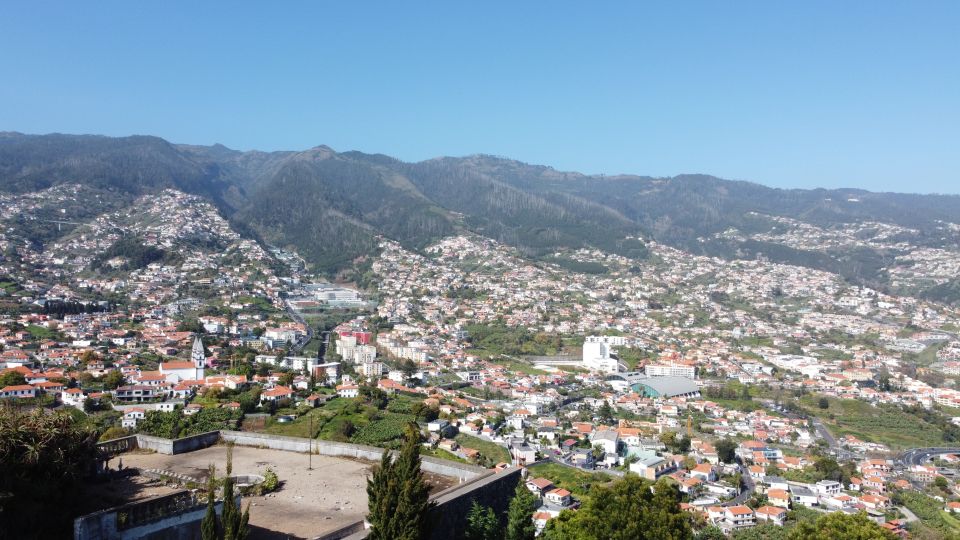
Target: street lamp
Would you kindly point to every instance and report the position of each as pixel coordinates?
(310, 447)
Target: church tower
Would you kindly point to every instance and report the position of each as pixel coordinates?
(199, 358)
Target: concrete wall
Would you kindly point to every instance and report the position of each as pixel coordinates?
(445, 467)
(159, 444)
(116, 446)
(177, 446)
(453, 505)
(449, 516)
(195, 442)
(177, 525)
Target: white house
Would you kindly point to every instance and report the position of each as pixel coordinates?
(739, 517)
(558, 497)
(276, 394)
(73, 397)
(132, 416)
(607, 439)
(348, 390)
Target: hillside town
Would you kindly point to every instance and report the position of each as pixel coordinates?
(761, 391)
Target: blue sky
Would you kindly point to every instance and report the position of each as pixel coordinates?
(803, 94)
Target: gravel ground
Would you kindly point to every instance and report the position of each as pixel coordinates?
(309, 503)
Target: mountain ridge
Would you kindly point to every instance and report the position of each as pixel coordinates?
(332, 206)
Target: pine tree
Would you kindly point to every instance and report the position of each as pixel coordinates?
(520, 525)
(381, 496)
(398, 495)
(208, 527)
(482, 524)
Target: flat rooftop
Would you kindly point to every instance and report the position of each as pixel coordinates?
(308, 503)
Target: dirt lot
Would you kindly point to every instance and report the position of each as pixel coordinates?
(309, 503)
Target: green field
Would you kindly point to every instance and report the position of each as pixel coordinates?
(931, 514)
(492, 450)
(299, 427)
(573, 480)
(442, 454)
(370, 426)
(41, 332)
(885, 425)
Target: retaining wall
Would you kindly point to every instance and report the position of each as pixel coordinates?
(449, 516)
(159, 444)
(463, 471)
(170, 517)
(196, 442)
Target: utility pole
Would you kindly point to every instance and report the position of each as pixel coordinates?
(310, 448)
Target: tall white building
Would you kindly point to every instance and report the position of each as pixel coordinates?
(598, 354)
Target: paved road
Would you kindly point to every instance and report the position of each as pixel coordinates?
(611, 472)
(748, 488)
(302, 342)
(919, 456)
(824, 432)
(839, 451)
(908, 516)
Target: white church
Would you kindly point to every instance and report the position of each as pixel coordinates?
(193, 370)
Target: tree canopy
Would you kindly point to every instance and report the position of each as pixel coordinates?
(627, 510)
(44, 459)
(398, 494)
(840, 525)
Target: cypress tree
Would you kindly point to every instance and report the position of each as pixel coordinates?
(399, 495)
(234, 527)
(520, 525)
(482, 524)
(243, 529)
(381, 496)
(208, 527)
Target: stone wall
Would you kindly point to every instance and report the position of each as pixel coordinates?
(445, 467)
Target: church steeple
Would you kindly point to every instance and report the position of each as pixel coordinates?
(199, 358)
(197, 355)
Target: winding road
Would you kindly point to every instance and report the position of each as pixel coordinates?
(919, 456)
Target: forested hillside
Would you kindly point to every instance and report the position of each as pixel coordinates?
(331, 207)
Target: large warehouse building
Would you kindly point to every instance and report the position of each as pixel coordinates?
(667, 387)
(662, 387)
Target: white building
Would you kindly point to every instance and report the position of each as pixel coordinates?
(328, 371)
(371, 369)
(194, 370)
(132, 416)
(73, 397)
(598, 354)
(348, 390)
(671, 370)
